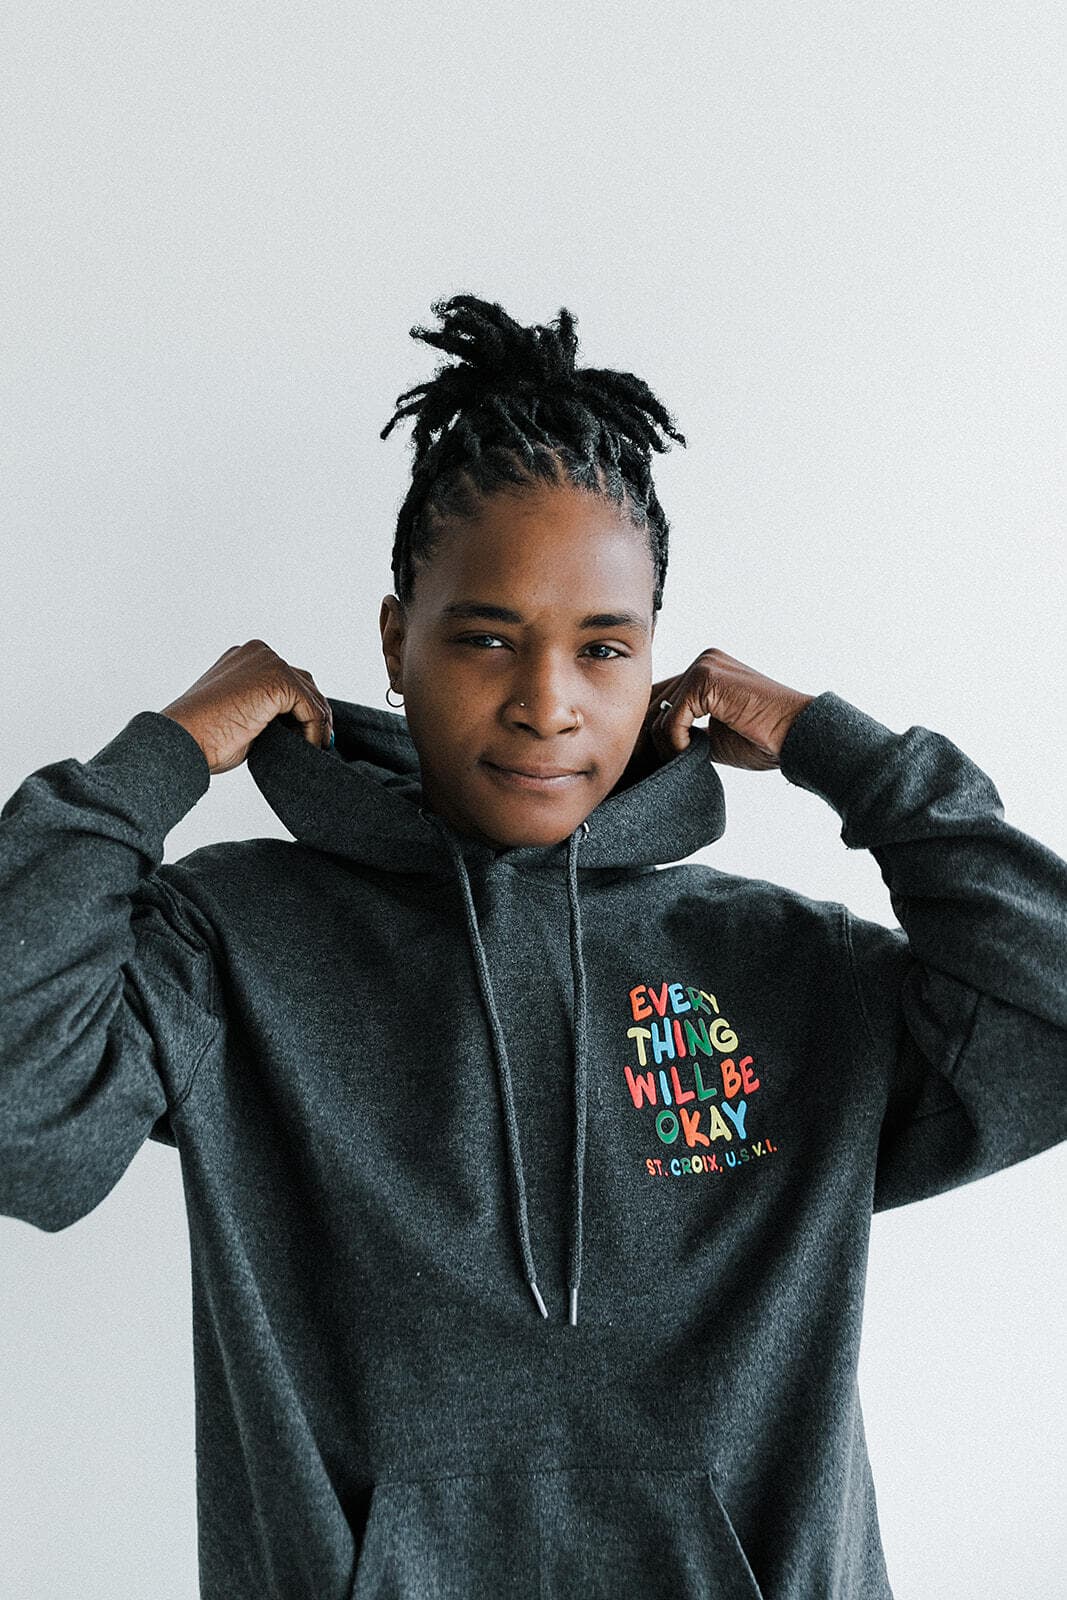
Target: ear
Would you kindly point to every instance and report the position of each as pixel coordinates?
(391, 623)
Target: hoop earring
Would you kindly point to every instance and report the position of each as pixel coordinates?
(389, 702)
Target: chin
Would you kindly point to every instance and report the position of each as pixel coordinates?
(542, 834)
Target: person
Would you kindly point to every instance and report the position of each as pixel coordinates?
(529, 1166)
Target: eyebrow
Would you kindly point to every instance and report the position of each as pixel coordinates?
(595, 619)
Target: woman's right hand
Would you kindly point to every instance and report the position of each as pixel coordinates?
(232, 702)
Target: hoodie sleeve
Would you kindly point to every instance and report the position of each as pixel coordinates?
(964, 1012)
(106, 982)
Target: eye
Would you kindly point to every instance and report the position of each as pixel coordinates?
(476, 639)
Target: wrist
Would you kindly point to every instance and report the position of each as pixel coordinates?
(189, 724)
(797, 704)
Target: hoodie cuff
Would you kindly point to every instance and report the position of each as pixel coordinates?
(831, 750)
(156, 764)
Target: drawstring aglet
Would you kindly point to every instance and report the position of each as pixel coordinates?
(537, 1297)
(574, 1306)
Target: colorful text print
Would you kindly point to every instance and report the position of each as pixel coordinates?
(689, 1075)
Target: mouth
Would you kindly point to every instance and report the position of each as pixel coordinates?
(543, 780)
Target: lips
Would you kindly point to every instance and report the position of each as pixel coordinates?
(537, 772)
(536, 780)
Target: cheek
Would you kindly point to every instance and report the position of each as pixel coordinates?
(460, 687)
(429, 688)
(631, 714)
(440, 717)
(433, 671)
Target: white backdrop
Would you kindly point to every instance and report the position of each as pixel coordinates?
(830, 238)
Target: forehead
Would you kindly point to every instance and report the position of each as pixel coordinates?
(551, 546)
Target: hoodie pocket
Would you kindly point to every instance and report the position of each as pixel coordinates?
(547, 1534)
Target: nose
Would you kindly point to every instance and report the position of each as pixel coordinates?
(544, 698)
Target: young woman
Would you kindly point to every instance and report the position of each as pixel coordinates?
(529, 1170)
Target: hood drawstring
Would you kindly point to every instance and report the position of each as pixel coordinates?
(504, 1070)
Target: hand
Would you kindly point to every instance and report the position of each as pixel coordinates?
(232, 702)
(749, 714)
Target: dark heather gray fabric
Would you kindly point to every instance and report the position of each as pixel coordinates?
(408, 1076)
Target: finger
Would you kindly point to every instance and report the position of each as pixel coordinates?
(313, 712)
(664, 717)
(666, 689)
(660, 690)
(320, 699)
(678, 721)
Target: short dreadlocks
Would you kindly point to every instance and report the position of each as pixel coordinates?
(513, 411)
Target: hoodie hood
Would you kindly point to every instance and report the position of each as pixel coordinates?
(362, 800)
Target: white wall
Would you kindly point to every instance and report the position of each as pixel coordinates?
(829, 236)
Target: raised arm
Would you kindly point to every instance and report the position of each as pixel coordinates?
(965, 1005)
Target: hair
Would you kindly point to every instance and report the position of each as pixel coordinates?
(514, 412)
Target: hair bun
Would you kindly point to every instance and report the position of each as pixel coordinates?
(497, 358)
(499, 352)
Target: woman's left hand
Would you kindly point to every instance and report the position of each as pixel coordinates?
(749, 714)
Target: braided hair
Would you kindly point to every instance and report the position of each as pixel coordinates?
(515, 411)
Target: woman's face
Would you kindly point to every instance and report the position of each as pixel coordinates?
(524, 679)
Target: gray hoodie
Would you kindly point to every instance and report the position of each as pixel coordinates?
(528, 1190)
